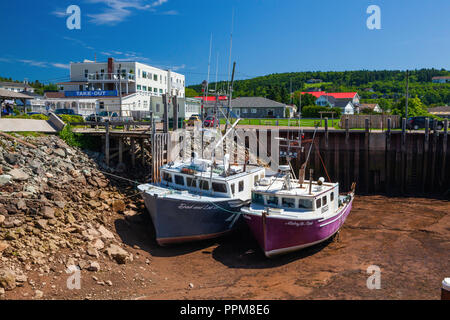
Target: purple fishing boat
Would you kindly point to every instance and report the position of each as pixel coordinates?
(287, 215)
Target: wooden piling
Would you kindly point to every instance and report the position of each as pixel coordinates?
(107, 144)
(403, 157)
(444, 152)
(366, 156)
(425, 155)
(133, 152)
(387, 172)
(120, 151)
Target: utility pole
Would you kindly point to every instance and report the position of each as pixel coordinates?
(120, 90)
(407, 94)
(166, 113)
(175, 111)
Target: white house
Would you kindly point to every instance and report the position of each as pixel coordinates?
(444, 79)
(16, 87)
(370, 106)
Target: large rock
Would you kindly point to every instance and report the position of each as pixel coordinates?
(4, 179)
(2, 219)
(48, 212)
(10, 158)
(105, 233)
(117, 253)
(7, 279)
(3, 246)
(118, 206)
(18, 175)
(60, 152)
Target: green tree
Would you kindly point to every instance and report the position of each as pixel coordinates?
(190, 93)
(415, 108)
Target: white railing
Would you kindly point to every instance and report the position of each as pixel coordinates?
(110, 77)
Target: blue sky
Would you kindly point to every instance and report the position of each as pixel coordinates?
(270, 36)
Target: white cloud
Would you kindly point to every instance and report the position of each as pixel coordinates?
(60, 13)
(61, 66)
(118, 10)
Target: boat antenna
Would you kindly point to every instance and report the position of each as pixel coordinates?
(231, 48)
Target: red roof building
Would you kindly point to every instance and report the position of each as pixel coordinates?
(213, 98)
(336, 95)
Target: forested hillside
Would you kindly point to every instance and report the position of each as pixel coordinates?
(371, 85)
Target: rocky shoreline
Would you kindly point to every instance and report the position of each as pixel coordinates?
(56, 211)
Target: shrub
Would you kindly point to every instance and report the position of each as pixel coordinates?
(39, 117)
(313, 111)
(70, 118)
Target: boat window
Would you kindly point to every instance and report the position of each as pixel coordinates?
(204, 185)
(332, 197)
(167, 177)
(241, 186)
(233, 188)
(288, 202)
(179, 180)
(305, 204)
(256, 179)
(318, 203)
(272, 201)
(324, 200)
(191, 182)
(219, 187)
(258, 198)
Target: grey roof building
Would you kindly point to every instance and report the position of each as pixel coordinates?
(254, 107)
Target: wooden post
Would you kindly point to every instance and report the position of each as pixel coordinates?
(107, 144)
(403, 171)
(433, 155)
(133, 153)
(142, 152)
(425, 154)
(388, 157)
(120, 150)
(367, 158)
(326, 133)
(444, 152)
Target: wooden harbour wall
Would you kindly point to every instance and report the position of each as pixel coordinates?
(391, 162)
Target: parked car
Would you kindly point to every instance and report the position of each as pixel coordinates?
(69, 112)
(416, 123)
(107, 116)
(193, 119)
(210, 121)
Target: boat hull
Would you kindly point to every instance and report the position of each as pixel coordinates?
(278, 236)
(178, 221)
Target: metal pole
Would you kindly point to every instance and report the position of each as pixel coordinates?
(120, 89)
(407, 94)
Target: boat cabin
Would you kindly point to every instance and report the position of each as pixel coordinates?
(201, 179)
(319, 197)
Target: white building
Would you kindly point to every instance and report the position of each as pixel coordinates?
(96, 87)
(16, 87)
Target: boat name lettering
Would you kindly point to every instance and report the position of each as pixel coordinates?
(299, 224)
(185, 206)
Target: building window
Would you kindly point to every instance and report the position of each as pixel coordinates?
(144, 74)
(144, 88)
(150, 89)
(86, 72)
(155, 77)
(244, 110)
(139, 87)
(270, 113)
(324, 200)
(191, 183)
(254, 110)
(160, 90)
(155, 90)
(157, 108)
